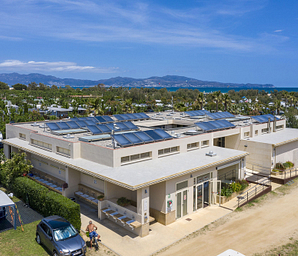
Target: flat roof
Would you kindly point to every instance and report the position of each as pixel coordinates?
(278, 138)
(141, 174)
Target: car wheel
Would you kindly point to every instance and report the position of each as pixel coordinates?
(38, 239)
(55, 253)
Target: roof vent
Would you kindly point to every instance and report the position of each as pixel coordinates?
(35, 124)
(211, 153)
(68, 136)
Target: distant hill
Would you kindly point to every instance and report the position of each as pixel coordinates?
(155, 81)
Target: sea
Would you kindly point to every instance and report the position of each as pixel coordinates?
(223, 90)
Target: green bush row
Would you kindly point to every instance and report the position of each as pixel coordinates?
(47, 202)
(236, 186)
(283, 166)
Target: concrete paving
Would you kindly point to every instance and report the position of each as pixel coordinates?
(125, 243)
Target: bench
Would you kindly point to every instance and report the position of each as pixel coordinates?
(88, 194)
(125, 220)
(50, 185)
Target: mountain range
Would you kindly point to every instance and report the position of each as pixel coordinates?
(155, 81)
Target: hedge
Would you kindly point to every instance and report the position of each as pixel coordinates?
(47, 202)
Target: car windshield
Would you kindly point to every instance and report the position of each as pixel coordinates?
(64, 233)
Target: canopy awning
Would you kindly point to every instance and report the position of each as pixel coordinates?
(5, 201)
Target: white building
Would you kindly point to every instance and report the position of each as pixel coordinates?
(177, 173)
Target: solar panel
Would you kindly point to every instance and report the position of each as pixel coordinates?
(63, 125)
(74, 119)
(53, 126)
(163, 134)
(190, 113)
(125, 117)
(104, 128)
(216, 125)
(94, 129)
(227, 123)
(154, 135)
(131, 126)
(122, 141)
(122, 126)
(82, 118)
(119, 117)
(81, 123)
(108, 119)
(204, 126)
(144, 136)
(133, 138)
(145, 116)
(132, 116)
(264, 118)
(73, 125)
(100, 119)
(89, 122)
(138, 116)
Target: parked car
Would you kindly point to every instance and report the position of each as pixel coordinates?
(60, 237)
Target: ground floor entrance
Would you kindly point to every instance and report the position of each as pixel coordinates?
(181, 199)
(201, 195)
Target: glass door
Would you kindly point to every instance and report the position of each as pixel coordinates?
(199, 197)
(181, 207)
(206, 194)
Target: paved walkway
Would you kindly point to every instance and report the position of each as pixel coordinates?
(125, 243)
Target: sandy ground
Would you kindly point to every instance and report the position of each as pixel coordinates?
(263, 226)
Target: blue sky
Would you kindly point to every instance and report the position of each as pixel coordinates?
(239, 41)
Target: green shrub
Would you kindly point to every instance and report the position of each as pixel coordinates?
(123, 201)
(47, 202)
(275, 170)
(226, 191)
(244, 184)
(280, 166)
(286, 165)
(291, 164)
(235, 186)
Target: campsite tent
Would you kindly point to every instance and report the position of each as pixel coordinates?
(5, 201)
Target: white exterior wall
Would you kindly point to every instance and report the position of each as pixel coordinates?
(287, 152)
(92, 182)
(50, 167)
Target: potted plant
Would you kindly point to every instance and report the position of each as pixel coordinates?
(123, 201)
(101, 197)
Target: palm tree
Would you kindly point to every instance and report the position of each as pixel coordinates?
(277, 106)
(226, 100)
(201, 100)
(217, 96)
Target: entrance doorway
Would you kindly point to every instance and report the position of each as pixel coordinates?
(181, 209)
(201, 195)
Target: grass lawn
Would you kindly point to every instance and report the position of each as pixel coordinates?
(17, 242)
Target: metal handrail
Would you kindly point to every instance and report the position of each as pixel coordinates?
(253, 191)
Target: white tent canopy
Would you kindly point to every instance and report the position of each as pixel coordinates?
(5, 201)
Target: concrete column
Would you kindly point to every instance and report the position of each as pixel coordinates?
(143, 210)
(72, 178)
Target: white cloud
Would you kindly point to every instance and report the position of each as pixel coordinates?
(17, 65)
(277, 31)
(129, 21)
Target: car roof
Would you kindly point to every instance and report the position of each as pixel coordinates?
(56, 222)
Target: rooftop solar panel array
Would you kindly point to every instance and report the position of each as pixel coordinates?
(214, 125)
(141, 137)
(220, 115)
(264, 118)
(131, 116)
(107, 128)
(197, 112)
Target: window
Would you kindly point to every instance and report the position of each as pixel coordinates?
(181, 185)
(41, 144)
(203, 178)
(193, 145)
(63, 151)
(205, 143)
(246, 134)
(22, 136)
(279, 127)
(256, 132)
(136, 157)
(265, 130)
(168, 150)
